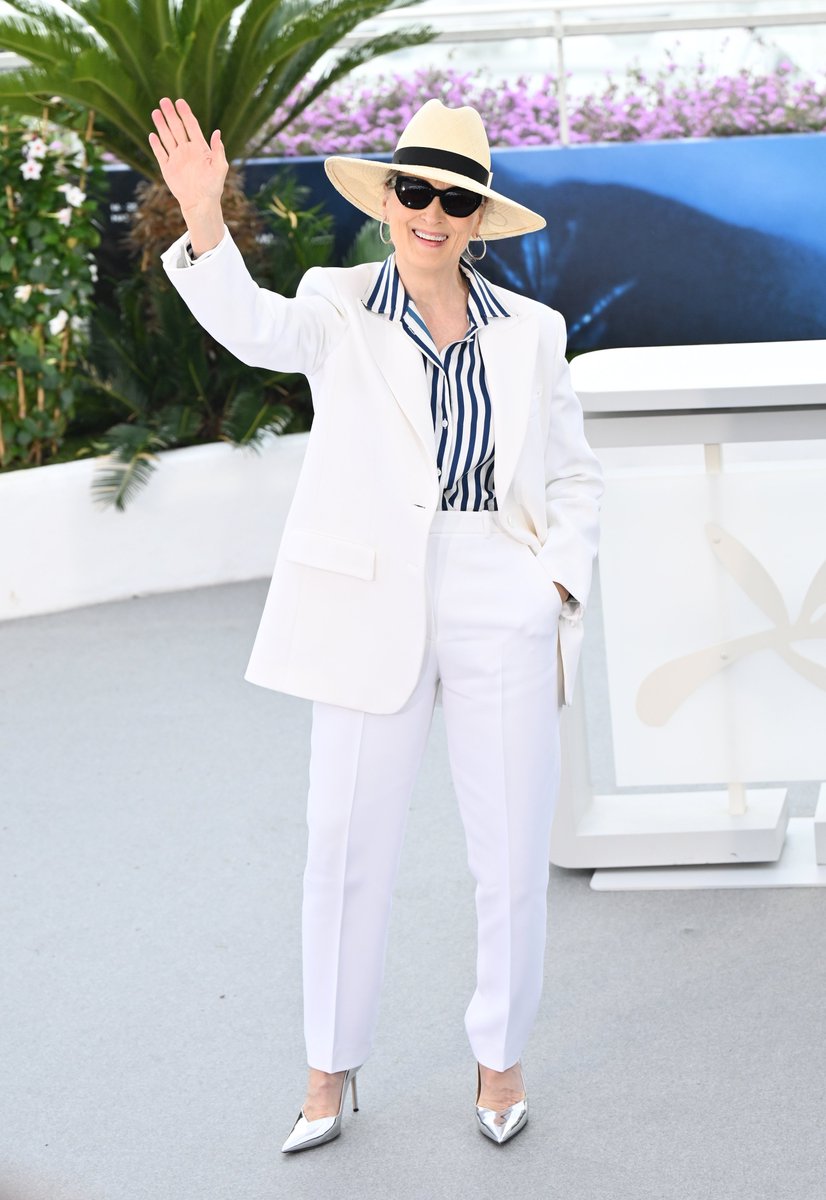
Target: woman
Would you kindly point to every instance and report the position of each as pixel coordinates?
(441, 537)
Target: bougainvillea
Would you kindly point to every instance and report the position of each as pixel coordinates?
(670, 103)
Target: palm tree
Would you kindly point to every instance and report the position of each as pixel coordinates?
(236, 63)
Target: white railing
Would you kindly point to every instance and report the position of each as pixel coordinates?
(459, 23)
(465, 23)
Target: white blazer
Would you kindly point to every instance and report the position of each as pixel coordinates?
(345, 617)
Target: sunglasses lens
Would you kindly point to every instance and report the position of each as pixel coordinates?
(417, 193)
(414, 193)
(459, 203)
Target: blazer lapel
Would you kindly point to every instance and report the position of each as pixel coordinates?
(400, 362)
(508, 346)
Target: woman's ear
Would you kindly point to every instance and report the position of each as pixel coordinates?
(480, 216)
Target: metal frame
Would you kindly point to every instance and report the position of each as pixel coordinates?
(563, 21)
(566, 21)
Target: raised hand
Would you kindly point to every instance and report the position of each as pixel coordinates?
(193, 168)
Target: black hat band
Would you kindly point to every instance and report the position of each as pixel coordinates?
(443, 160)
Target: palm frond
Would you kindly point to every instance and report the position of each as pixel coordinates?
(280, 44)
(272, 96)
(42, 43)
(249, 417)
(155, 16)
(124, 34)
(366, 247)
(127, 469)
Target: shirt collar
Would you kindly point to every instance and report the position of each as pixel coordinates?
(388, 298)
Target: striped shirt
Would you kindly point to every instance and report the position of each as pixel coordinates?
(459, 399)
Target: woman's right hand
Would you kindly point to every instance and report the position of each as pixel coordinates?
(193, 169)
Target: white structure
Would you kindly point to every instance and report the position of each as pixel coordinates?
(211, 514)
(714, 595)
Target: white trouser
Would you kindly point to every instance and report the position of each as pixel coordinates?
(492, 630)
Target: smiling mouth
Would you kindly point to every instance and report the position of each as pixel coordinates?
(430, 237)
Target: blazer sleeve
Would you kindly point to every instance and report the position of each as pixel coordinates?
(262, 328)
(574, 484)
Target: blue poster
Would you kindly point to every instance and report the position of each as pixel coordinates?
(649, 243)
(665, 243)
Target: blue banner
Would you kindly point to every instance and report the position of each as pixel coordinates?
(651, 243)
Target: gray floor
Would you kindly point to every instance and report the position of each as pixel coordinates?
(152, 839)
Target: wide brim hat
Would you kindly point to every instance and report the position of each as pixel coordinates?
(448, 145)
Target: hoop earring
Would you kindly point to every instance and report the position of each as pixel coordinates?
(476, 257)
(384, 241)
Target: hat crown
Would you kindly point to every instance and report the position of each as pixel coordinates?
(453, 130)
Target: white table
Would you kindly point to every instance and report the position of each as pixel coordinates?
(672, 396)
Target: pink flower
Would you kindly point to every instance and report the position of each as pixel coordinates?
(672, 102)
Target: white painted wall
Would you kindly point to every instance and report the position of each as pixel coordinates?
(210, 514)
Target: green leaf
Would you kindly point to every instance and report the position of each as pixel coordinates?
(127, 470)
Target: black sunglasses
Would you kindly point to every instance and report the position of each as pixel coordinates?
(418, 193)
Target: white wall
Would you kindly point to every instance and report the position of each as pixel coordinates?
(210, 514)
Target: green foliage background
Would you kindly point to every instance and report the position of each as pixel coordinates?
(47, 271)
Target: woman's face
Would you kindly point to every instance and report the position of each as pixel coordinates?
(427, 238)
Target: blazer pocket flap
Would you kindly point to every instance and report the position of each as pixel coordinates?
(329, 553)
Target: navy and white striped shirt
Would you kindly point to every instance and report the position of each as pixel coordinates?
(459, 398)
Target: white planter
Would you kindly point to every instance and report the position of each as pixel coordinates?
(210, 514)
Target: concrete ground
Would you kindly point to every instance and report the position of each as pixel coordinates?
(151, 846)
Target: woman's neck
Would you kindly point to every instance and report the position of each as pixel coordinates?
(443, 291)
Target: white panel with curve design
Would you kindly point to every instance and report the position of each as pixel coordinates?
(714, 596)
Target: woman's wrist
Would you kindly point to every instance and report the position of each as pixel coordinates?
(206, 228)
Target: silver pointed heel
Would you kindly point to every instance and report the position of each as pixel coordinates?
(306, 1134)
(501, 1126)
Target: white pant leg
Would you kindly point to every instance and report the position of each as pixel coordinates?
(496, 635)
(362, 770)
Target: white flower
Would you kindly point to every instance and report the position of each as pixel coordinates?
(31, 169)
(56, 146)
(36, 148)
(93, 272)
(22, 292)
(13, 239)
(74, 195)
(58, 323)
(64, 216)
(78, 323)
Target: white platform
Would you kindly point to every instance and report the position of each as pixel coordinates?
(820, 825)
(796, 867)
(640, 829)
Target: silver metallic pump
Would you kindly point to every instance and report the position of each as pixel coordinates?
(305, 1134)
(501, 1126)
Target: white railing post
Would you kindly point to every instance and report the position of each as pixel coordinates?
(561, 82)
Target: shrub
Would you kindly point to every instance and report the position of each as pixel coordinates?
(48, 231)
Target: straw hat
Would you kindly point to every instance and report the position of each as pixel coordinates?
(447, 145)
